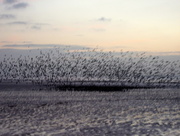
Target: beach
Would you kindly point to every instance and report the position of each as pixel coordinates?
(43, 112)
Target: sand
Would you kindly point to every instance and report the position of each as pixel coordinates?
(153, 112)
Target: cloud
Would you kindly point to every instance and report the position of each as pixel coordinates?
(21, 5)
(8, 42)
(9, 1)
(72, 47)
(15, 4)
(36, 27)
(18, 23)
(27, 23)
(5, 42)
(41, 24)
(7, 16)
(103, 19)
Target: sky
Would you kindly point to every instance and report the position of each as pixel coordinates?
(134, 25)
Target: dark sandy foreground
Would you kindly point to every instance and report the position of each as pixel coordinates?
(50, 113)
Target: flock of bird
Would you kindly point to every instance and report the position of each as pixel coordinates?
(90, 66)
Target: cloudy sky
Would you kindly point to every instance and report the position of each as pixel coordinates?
(134, 25)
